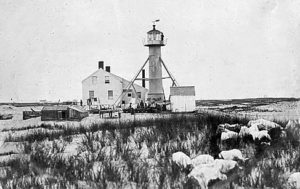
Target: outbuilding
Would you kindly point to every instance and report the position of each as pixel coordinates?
(63, 113)
(182, 98)
(77, 113)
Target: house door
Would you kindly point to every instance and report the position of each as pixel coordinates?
(59, 114)
(63, 114)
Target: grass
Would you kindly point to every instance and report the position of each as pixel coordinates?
(139, 152)
(271, 165)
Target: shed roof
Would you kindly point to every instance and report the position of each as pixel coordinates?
(182, 91)
(77, 108)
(55, 108)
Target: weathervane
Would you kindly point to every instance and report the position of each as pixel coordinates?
(155, 21)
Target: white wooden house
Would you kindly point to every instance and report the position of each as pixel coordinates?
(104, 88)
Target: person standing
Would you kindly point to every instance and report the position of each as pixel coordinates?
(142, 104)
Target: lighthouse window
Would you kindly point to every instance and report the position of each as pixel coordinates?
(106, 79)
(158, 36)
(150, 37)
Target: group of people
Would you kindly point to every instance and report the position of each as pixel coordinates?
(145, 105)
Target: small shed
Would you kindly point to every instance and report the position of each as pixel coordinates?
(182, 99)
(54, 113)
(77, 113)
(63, 113)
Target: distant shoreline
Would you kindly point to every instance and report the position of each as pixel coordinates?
(198, 102)
(25, 104)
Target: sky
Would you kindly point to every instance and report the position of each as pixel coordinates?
(225, 48)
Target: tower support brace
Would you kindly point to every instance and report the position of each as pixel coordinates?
(117, 102)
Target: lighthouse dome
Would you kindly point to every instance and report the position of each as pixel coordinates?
(154, 31)
(155, 38)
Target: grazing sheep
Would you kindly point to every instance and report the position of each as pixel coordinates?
(225, 166)
(234, 154)
(294, 180)
(253, 128)
(244, 132)
(203, 175)
(181, 159)
(254, 132)
(233, 127)
(229, 135)
(263, 124)
(202, 159)
(261, 135)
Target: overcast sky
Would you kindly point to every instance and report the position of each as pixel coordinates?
(227, 49)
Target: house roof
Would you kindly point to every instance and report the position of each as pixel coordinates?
(101, 70)
(55, 108)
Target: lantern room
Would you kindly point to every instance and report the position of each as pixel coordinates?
(155, 38)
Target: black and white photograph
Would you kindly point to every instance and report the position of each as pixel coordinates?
(136, 94)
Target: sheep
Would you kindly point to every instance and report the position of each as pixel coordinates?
(244, 132)
(225, 166)
(261, 135)
(263, 124)
(294, 180)
(203, 175)
(228, 135)
(202, 159)
(233, 154)
(181, 159)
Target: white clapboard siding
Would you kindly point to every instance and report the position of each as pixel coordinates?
(182, 103)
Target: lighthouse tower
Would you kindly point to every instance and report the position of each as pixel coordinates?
(155, 40)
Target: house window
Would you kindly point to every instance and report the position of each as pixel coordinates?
(129, 94)
(127, 90)
(106, 79)
(110, 94)
(91, 94)
(139, 94)
(94, 79)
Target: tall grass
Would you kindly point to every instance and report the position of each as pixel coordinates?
(139, 152)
